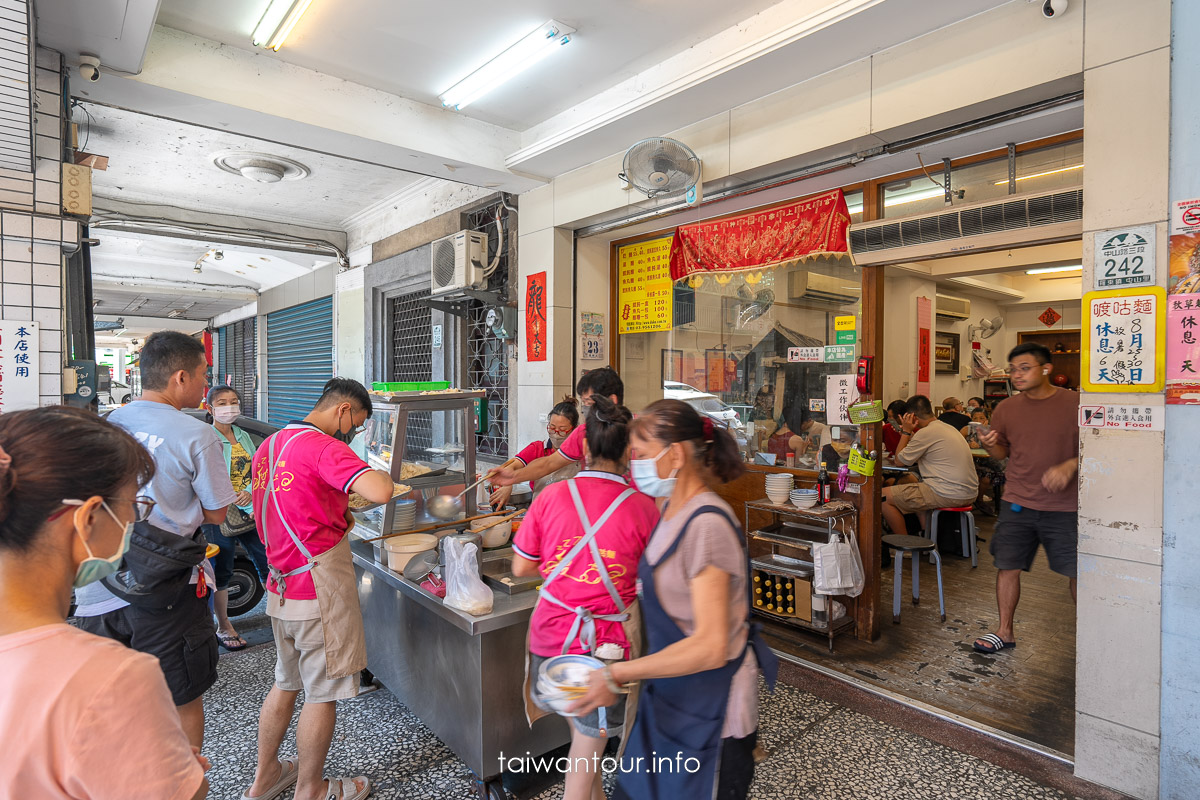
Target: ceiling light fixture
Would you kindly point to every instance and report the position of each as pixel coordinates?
(926, 194)
(260, 167)
(1020, 178)
(1048, 270)
(277, 22)
(518, 57)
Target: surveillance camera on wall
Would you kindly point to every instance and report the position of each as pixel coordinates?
(89, 67)
(1053, 8)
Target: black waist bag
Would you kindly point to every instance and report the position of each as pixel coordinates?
(157, 569)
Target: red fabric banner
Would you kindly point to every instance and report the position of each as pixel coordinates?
(763, 239)
(535, 317)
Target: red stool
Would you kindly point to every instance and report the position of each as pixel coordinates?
(966, 524)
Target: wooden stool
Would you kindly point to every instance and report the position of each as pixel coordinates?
(915, 546)
(966, 524)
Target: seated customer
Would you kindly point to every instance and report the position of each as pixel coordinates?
(813, 435)
(989, 470)
(944, 460)
(952, 414)
(891, 428)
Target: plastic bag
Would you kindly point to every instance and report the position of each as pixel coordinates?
(837, 567)
(465, 590)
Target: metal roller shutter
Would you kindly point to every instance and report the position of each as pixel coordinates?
(299, 359)
(237, 360)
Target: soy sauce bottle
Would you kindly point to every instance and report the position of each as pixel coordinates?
(824, 486)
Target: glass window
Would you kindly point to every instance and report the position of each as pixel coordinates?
(748, 351)
(1054, 167)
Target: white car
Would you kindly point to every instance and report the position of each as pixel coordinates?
(118, 394)
(709, 405)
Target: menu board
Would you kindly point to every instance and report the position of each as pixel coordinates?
(1125, 335)
(644, 289)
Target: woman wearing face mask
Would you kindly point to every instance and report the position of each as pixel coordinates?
(585, 536)
(699, 679)
(563, 419)
(80, 716)
(225, 405)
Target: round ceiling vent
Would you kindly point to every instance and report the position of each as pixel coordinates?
(260, 167)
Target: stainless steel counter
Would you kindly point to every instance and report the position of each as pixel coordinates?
(461, 675)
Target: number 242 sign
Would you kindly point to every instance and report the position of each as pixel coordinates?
(1124, 257)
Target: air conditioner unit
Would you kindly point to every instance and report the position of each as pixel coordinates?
(956, 308)
(825, 288)
(457, 262)
(1015, 221)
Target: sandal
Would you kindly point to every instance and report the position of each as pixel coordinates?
(232, 641)
(991, 643)
(288, 772)
(338, 788)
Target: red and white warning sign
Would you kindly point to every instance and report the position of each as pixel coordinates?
(1185, 216)
(1131, 418)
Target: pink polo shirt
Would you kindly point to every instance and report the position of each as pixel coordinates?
(312, 480)
(572, 447)
(552, 527)
(84, 718)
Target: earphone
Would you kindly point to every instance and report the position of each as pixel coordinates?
(1045, 372)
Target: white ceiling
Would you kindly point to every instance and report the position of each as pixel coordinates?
(419, 49)
(155, 160)
(115, 30)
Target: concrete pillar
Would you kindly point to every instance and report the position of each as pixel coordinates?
(538, 385)
(1126, 54)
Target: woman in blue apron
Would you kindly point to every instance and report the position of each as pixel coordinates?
(585, 536)
(697, 712)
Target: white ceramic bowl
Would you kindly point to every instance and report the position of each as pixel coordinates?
(778, 499)
(804, 503)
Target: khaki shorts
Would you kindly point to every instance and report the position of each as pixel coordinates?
(910, 498)
(300, 662)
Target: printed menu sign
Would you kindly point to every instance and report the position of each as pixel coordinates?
(18, 365)
(1124, 332)
(644, 289)
(838, 396)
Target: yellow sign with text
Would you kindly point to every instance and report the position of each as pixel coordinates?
(847, 323)
(644, 290)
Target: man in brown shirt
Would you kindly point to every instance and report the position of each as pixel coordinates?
(1038, 432)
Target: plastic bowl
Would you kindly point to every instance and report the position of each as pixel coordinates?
(401, 549)
(496, 536)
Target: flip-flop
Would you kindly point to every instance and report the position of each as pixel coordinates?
(991, 644)
(228, 641)
(339, 787)
(288, 773)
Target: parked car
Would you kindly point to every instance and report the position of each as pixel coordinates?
(118, 394)
(709, 405)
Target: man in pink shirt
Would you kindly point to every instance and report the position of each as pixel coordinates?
(302, 477)
(604, 382)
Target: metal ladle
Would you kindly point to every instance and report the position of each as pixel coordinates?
(445, 507)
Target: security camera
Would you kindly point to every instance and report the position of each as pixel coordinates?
(89, 67)
(1054, 8)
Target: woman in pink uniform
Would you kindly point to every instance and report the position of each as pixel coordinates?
(81, 717)
(559, 424)
(585, 537)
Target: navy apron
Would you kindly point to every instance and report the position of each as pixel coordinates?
(682, 718)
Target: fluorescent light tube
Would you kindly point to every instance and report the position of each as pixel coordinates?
(1041, 174)
(277, 22)
(1048, 270)
(517, 58)
(927, 194)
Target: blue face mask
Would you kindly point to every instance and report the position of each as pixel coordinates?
(645, 475)
(93, 568)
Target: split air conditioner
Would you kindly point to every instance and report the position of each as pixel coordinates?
(457, 262)
(803, 284)
(955, 308)
(1015, 221)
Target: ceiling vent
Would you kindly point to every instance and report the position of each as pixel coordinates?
(955, 308)
(260, 167)
(1015, 221)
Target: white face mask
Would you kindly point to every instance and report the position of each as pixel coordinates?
(645, 475)
(226, 414)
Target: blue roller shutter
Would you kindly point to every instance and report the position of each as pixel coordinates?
(237, 361)
(299, 359)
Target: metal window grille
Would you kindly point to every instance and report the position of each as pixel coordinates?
(487, 369)
(411, 357)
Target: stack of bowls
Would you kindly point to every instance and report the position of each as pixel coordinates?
(404, 517)
(778, 486)
(803, 498)
(564, 679)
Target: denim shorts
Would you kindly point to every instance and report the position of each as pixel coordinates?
(588, 724)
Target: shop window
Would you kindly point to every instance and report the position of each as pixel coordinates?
(411, 356)
(755, 351)
(1041, 170)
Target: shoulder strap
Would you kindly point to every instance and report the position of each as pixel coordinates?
(709, 509)
(273, 462)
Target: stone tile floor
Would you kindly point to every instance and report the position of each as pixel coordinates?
(818, 750)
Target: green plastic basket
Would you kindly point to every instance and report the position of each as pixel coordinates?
(434, 386)
(378, 386)
(866, 412)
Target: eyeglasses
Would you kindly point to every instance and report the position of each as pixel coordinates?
(142, 506)
(1021, 370)
(550, 429)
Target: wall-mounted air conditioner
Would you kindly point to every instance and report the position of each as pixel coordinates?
(955, 308)
(1015, 221)
(457, 262)
(824, 288)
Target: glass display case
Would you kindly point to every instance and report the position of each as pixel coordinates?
(425, 440)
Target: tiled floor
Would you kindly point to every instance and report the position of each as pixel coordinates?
(818, 750)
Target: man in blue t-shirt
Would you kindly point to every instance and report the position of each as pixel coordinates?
(190, 487)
